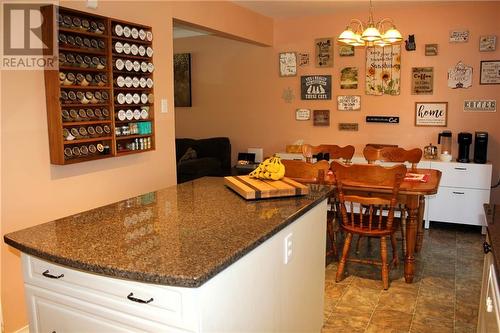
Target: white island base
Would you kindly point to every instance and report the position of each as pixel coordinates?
(257, 293)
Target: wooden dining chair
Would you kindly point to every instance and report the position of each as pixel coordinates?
(334, 152)
(397, 155)
(313, 173)
(362, 213)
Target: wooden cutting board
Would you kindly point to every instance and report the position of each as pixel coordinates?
(251, 188)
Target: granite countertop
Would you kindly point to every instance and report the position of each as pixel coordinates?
(493, 220)
(179, 236)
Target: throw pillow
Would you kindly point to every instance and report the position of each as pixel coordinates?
(190, 154)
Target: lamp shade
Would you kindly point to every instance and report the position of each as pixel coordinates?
(347, 37)
(358, 41)
(371, 34)
(392, 36)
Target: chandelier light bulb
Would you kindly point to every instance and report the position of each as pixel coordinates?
(347, 36)
(371, 34)
(392, 36)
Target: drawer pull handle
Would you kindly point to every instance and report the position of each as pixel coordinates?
(138, 300)
(50, 276)
(458, 192)
(461, 169)
(486, 248)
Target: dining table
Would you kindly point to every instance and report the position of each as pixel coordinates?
(411, 194)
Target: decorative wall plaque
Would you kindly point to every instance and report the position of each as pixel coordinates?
(324, 52)
(459, 36)
(349, 78)
(302, 114)
(460, 76)
(487, 43)
(382, 119)
(348, 103)
(348, 127)
(321, 117)
(490, 72)
(288, 95)
(422, 80)
(316, 87)
(482, 105)
(303, 59)
(383, 70)
(431, 49)
(288, 63)
(346, 50)
(431, 113)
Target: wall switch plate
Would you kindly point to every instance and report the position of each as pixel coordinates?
(92, 4)
(288, 248)
(164, 105)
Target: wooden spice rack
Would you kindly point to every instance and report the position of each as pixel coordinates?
(82, 107)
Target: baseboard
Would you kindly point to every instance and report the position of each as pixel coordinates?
(25, 329)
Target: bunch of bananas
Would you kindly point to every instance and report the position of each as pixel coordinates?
(271, 169)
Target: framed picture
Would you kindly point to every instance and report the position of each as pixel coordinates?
(316, 87)
(349, 78)
(349, 103)
(324, 52)
(422, 80)
(433, 114)
(346, 50)
(182, 80)
(487, 43)
(288, 64)
(431, 49)
(303, 59)
(321, 117)
(490, 72)
(459, 36)
(302, 114)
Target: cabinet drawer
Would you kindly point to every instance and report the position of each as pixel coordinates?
(458, 205)
(52, 312)
(169, 305)
(465, 175)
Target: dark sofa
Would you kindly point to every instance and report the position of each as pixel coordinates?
(212, 158)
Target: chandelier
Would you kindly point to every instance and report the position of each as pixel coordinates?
(356, 34)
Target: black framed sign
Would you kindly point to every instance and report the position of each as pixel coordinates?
(490, 72)
(382, 119)
(316, 87)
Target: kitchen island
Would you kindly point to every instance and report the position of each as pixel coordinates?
(195, 257)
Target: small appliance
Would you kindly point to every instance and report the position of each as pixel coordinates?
(444, 139)
(480, 147)
(464, 142)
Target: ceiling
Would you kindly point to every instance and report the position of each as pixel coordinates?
(182, 31)
(288, 9)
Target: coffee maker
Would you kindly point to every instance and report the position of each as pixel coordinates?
(464, 142)
(480, 147)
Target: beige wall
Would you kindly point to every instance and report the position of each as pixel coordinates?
(33, 191)
(237, 90)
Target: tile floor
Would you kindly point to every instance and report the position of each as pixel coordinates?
(443, 298)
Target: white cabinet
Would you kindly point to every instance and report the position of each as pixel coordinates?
(489, 304)
(463, 190)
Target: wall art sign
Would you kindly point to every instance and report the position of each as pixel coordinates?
(288, 95)
(431, 113)
(383, 70)
(346, 50)
(431, 49)
(288, 63)
(459, 36)
(460, 76)
(321, 117)
(348, 103)
(487, 43)
(182, 80)
(482, 105)
(422, 80)
(349, 78)
(316, 87)
(382, 119)
(324, 52)
(303, 59)
(302, 114)
(353, 127)
(490, 72)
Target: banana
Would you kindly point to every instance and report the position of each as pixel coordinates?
(269, 169)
